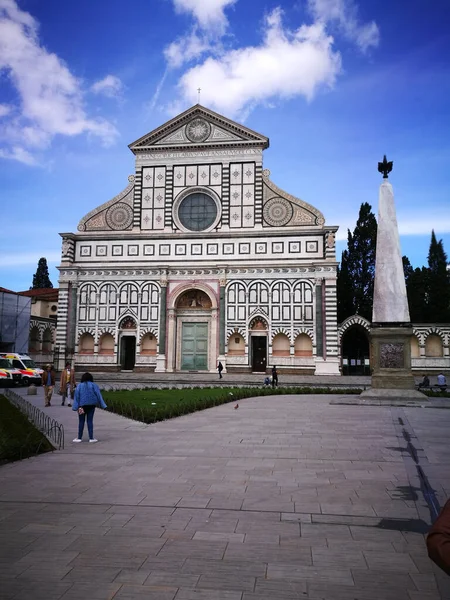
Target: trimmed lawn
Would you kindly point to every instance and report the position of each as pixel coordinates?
(18, 437)
(151, 405)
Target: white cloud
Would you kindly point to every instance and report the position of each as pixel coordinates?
(286, 64)
(187, 48)
(208, 13)
(19, 154)
(5, 109)
(51, 100)
(344, 13)
(109, 86)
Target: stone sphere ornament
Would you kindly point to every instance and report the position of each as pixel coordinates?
(119, 216)
(278, 212)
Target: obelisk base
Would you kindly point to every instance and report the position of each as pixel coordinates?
(391, 363)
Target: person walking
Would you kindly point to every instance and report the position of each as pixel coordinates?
(87, 398)
(220, 369)
(67, 384)
(274, 376)
(48, 381)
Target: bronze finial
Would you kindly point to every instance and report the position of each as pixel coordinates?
(385, 167)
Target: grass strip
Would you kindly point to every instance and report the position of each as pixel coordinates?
(18, 437)
(152, 405)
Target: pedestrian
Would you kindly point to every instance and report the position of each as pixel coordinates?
(67, 384)
(48, 381)
(87, 398)
(220, 369)
(425, 383)
(274, 376)
(442, 382)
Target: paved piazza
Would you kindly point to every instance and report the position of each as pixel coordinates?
(286, 497)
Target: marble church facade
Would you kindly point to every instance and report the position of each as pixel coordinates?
(200, 258)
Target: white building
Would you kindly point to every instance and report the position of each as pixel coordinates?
(200, 258)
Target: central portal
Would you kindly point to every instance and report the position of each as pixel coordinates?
(195, 321)
(259, 353)
(194, 347)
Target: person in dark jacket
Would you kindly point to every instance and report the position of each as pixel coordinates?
(220, 369)
(48, 381)
(438, 540)
(274, 376)
(87, 398)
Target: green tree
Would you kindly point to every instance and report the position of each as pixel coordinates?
(417, 282)
(438, 305)
(357, 271)
(41, 278)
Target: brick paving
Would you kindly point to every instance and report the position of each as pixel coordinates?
(287, 497)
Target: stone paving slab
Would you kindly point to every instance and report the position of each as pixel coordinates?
(288, 497)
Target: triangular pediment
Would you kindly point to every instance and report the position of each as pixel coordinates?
(199, 127)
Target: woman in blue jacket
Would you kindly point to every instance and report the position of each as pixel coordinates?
(87, 397)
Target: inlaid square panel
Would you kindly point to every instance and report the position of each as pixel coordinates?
(294, 247)
(164, 250)
(147, 198)
(133, 250)
(148, 177)
(228, 248)
(312, 246)
(180, 249)
(179, 176)
(235, 195)
(212, 249)
(191, 175)
(277, 247)
(85, 250)
(149, 249)
(101, 250)
(235, 173)
(158, 219)
(261, 248)
(117, 250)
(244, 248)
(196, 249)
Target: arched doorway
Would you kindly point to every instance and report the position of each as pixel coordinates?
(258, 344)
(355, 351)
(192, 331)
(127, 355)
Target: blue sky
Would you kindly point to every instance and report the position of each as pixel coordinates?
(334, 84)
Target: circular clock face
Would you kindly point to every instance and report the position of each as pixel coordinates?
(198, 130)
(197, 212)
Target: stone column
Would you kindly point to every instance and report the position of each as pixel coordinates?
(161, 357)
(222, 320)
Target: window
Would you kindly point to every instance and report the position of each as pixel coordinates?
(197, 212)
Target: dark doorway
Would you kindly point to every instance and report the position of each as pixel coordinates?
(355, 351)
(259, 353)
(128, 352)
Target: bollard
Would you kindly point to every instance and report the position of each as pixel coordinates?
(31, 391)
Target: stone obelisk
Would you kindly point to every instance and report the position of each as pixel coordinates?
(391, 330)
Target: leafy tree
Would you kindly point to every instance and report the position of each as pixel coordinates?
(438, 304)
(41, 278)
(356, 274)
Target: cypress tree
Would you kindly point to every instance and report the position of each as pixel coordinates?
(41, 278)
(438, 305)
(357, 272)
